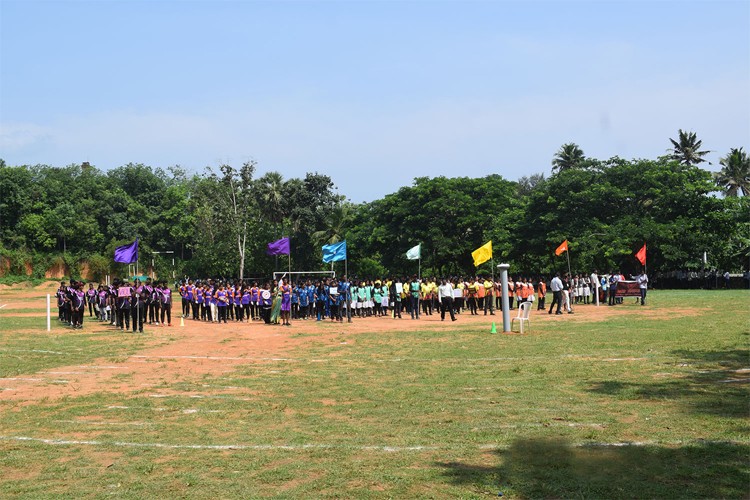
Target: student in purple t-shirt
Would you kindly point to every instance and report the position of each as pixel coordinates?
(222, 302)
(79, 305)
(238, 311)
(101, 299)
(199, 303)
(166, 303)
(230, 303)
(246, 304)
(91, 299)
(190, 292)
(254, 299)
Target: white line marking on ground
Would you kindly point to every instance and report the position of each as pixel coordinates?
(271, 447)
(64, 373)
(3, 306)
(199, 396)
(218, 358)
(25, 379)
(391, 449)
(33, 350)
(186, 411)
(85, 422)
(104, 367)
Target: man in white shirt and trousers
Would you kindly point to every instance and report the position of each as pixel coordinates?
(556, 286)
(445, 295)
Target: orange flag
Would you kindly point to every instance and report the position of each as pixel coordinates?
(562, 248)
(641, 255)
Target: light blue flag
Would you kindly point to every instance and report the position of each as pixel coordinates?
(334, 252)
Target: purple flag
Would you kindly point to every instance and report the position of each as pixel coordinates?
(127, 254)
(278, 247)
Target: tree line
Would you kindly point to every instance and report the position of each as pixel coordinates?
(218, 222)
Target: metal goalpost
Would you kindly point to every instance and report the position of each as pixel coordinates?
(326, 274)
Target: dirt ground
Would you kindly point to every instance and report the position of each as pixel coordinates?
(187, 353)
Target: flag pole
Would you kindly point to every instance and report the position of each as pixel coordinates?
(419, 279)
(348, 296)
(137, 294)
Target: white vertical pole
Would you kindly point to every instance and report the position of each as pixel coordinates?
(49, 326)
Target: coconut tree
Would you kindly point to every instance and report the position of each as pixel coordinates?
(270, 197)
(336, 221)
(734, 177)
(686, 150)
(568, 156)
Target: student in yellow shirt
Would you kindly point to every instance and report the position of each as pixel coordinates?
(460, 301)
(425, 290)
(489, 303)
(472, 291)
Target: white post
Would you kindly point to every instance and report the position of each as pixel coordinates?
(49, 327)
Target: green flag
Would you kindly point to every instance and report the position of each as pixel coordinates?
(414, 253)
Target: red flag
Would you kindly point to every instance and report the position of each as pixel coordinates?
(641, 255)
(562, 248)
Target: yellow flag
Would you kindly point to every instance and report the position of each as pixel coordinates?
(482, 254)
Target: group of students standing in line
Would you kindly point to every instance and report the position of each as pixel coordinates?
(116, 304)
(327, 298)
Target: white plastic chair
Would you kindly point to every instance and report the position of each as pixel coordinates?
(523, 315)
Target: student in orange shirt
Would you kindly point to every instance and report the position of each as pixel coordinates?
(525, 292)
(480, 293)
(541, 291)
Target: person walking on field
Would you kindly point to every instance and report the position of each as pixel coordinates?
(557, 287)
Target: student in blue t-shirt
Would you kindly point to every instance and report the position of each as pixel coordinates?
(310, 299)
(304, 301)
(295, 302)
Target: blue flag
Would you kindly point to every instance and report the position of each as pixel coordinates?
(334, 252)
(127, 254)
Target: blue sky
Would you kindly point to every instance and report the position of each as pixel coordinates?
(371, 93)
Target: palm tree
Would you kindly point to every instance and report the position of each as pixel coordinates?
(336, 222)
(270, 197)
(568, 156)
(686, 150)
(734, 177)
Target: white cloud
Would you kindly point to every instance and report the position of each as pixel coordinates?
(17, 137)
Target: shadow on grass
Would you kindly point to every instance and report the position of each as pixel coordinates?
(714, 386)
(541, 468)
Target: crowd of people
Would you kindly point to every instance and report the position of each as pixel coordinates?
(215, 301)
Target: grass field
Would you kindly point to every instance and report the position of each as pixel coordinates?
(624, 402)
